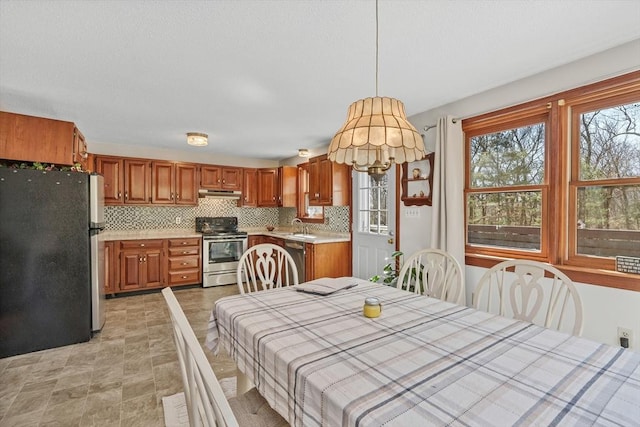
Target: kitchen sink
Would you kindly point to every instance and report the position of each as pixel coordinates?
(304, 236)
(291, 234)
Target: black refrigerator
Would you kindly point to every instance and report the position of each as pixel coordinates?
(51, 259)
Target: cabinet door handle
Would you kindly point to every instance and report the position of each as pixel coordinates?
(184, 277)
(177, 196)
(145, 259)
(140, 259)
(141, 244)
(170, 196)
(126, 195)
(184, 243)
(185, 252)
(184, 263)
(119, 195)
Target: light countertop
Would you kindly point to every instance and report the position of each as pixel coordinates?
(176, 233)
(166, 233)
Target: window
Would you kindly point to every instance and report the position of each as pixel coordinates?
(373, 205)
(558, 180)
(605, 180)
(507, 185)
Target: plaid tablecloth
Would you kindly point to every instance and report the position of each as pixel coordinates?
(423, 362)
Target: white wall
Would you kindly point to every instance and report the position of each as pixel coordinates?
(605, 308)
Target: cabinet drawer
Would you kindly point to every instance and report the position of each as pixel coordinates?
(137, 244)
(195, 241)
(183, 277)
(189, 250)
(183, 262)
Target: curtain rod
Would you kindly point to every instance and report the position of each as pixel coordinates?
(427, 127)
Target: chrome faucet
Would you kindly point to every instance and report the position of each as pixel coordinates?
(299, 226)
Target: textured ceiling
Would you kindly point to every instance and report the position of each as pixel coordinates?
(264, 78)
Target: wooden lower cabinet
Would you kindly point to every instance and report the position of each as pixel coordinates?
(141, 264)
(184, 261)
(134, 265)
(321, 259)
(327, 260)
(255, 240)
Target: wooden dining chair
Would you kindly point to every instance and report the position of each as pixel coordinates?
(205, 400)
(434, 273)
(265, 266)
(516, 289)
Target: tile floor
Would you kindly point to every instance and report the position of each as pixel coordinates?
(116, 379)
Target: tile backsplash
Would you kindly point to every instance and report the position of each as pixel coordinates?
(152, 217)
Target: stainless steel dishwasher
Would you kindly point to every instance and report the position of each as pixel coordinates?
(297, 252)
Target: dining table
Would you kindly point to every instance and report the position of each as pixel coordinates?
(318, 361)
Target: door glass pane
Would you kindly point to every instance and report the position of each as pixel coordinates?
(609, 221)
(610, 143)
(373, 214)
(505, 219)
(509, 157)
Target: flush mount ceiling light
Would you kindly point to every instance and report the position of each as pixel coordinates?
(376, 134)
(303, 152)
(197, 139)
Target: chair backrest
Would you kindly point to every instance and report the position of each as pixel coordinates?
(265, 266)
(206, 402)
(517, 289)
(434, 273)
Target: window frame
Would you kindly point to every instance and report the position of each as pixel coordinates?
(558, 240)
(534, 116)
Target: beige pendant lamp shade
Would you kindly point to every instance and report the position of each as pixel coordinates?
(376, 130)
(376, 134)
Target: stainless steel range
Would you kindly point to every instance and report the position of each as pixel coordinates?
(222, 247)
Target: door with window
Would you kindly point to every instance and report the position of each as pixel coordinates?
(374, 220)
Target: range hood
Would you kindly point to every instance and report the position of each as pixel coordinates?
(220, 194)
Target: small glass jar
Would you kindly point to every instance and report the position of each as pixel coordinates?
(372, 307)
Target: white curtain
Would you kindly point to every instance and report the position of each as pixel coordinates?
(447, 226)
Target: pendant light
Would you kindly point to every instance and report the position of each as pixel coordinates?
(376, 134)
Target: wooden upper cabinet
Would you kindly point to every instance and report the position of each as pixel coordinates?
(137, 181)
(37, 139)
(112, 169)
(174, 183)
(277, 187)
(329, 183)
(163, 182)
(287, 186)
(221, 178)
(250, 187)
(126, 181)
(211, 177)
(186, 184)
(232, 179)
(80, 152)
(268, 187)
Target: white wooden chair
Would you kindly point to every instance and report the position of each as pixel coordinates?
(206, 402)
(434, 273)
(265, 266)
(516, 289)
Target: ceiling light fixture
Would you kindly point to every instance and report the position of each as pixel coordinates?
(197, 139)
(376, 134)
(303, 152)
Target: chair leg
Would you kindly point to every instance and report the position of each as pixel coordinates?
(243, 384)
